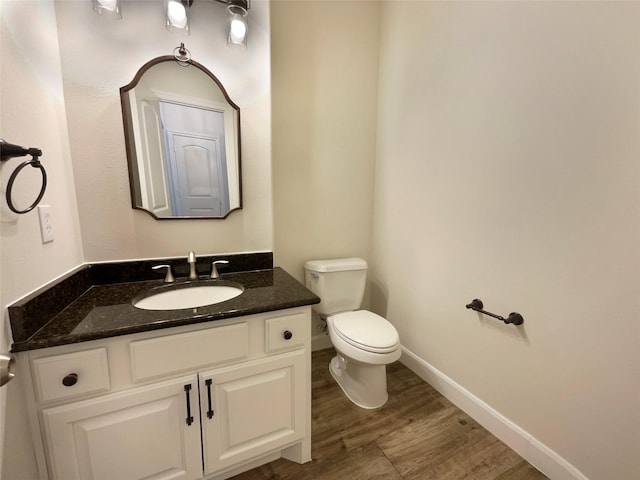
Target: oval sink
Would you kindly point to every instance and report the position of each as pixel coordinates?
(188, 297)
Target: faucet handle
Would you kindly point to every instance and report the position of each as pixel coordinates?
(214, 269)
(169, 276)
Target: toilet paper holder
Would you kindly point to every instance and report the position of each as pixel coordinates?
(514, 318)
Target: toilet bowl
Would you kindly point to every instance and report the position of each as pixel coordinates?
(364, 341)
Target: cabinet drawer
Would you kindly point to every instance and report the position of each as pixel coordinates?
(71, 374)
(186, 351)
(284, 333)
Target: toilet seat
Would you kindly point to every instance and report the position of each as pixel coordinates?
(367, 331)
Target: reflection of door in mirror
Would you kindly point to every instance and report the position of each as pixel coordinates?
(151, 193)
(196, 160)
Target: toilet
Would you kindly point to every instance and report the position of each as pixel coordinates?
(364, 342)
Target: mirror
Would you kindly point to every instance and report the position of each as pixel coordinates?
(182, 134)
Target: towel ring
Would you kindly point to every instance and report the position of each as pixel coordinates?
(9, 150)
(35, 163)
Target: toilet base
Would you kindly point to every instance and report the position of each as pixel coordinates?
(364, 385)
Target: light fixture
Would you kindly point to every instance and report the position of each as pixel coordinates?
(177, 18)
(237, 23)
(110, 7)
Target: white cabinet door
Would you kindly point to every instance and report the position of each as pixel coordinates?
(253, 409)
(140, 433)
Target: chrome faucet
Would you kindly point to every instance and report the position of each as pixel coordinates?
(169, 278)
(191, 259)
(214, 269)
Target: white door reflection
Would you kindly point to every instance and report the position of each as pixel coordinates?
(195, 160)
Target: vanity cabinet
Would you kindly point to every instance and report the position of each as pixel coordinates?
(202, 401)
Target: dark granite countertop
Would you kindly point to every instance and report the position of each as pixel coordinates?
(103, 311)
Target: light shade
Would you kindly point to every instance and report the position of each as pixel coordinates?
(110, 7)
(177, 16)
(237, 23)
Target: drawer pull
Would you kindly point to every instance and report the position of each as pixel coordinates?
(208, 382)
(187, 389)
(287, 335)
(70, 380)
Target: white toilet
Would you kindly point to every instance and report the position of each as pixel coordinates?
(365, 342)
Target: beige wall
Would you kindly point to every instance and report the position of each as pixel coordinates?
(324, 75)
(508, 169)
(32, 115)
(99, 55)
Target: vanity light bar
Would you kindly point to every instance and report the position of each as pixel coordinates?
(177, 16)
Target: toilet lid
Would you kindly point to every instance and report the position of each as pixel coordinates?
(366, 330)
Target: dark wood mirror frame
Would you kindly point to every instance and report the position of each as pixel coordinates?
(231, 123)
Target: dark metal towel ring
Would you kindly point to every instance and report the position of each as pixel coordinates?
(9, 150)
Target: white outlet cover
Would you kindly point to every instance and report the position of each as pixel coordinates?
(46, 223)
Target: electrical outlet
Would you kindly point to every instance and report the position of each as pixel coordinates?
(46, 224)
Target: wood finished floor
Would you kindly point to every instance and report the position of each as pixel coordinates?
(417, 435)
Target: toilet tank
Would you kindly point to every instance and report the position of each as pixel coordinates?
(339, 283)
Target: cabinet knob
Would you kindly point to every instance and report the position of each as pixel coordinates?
(70, 380)
(287, 335)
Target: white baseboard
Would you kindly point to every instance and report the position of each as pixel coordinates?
(533, 451)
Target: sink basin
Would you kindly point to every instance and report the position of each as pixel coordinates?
(188, 297)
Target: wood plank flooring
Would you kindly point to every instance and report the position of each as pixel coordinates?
(417, 435)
